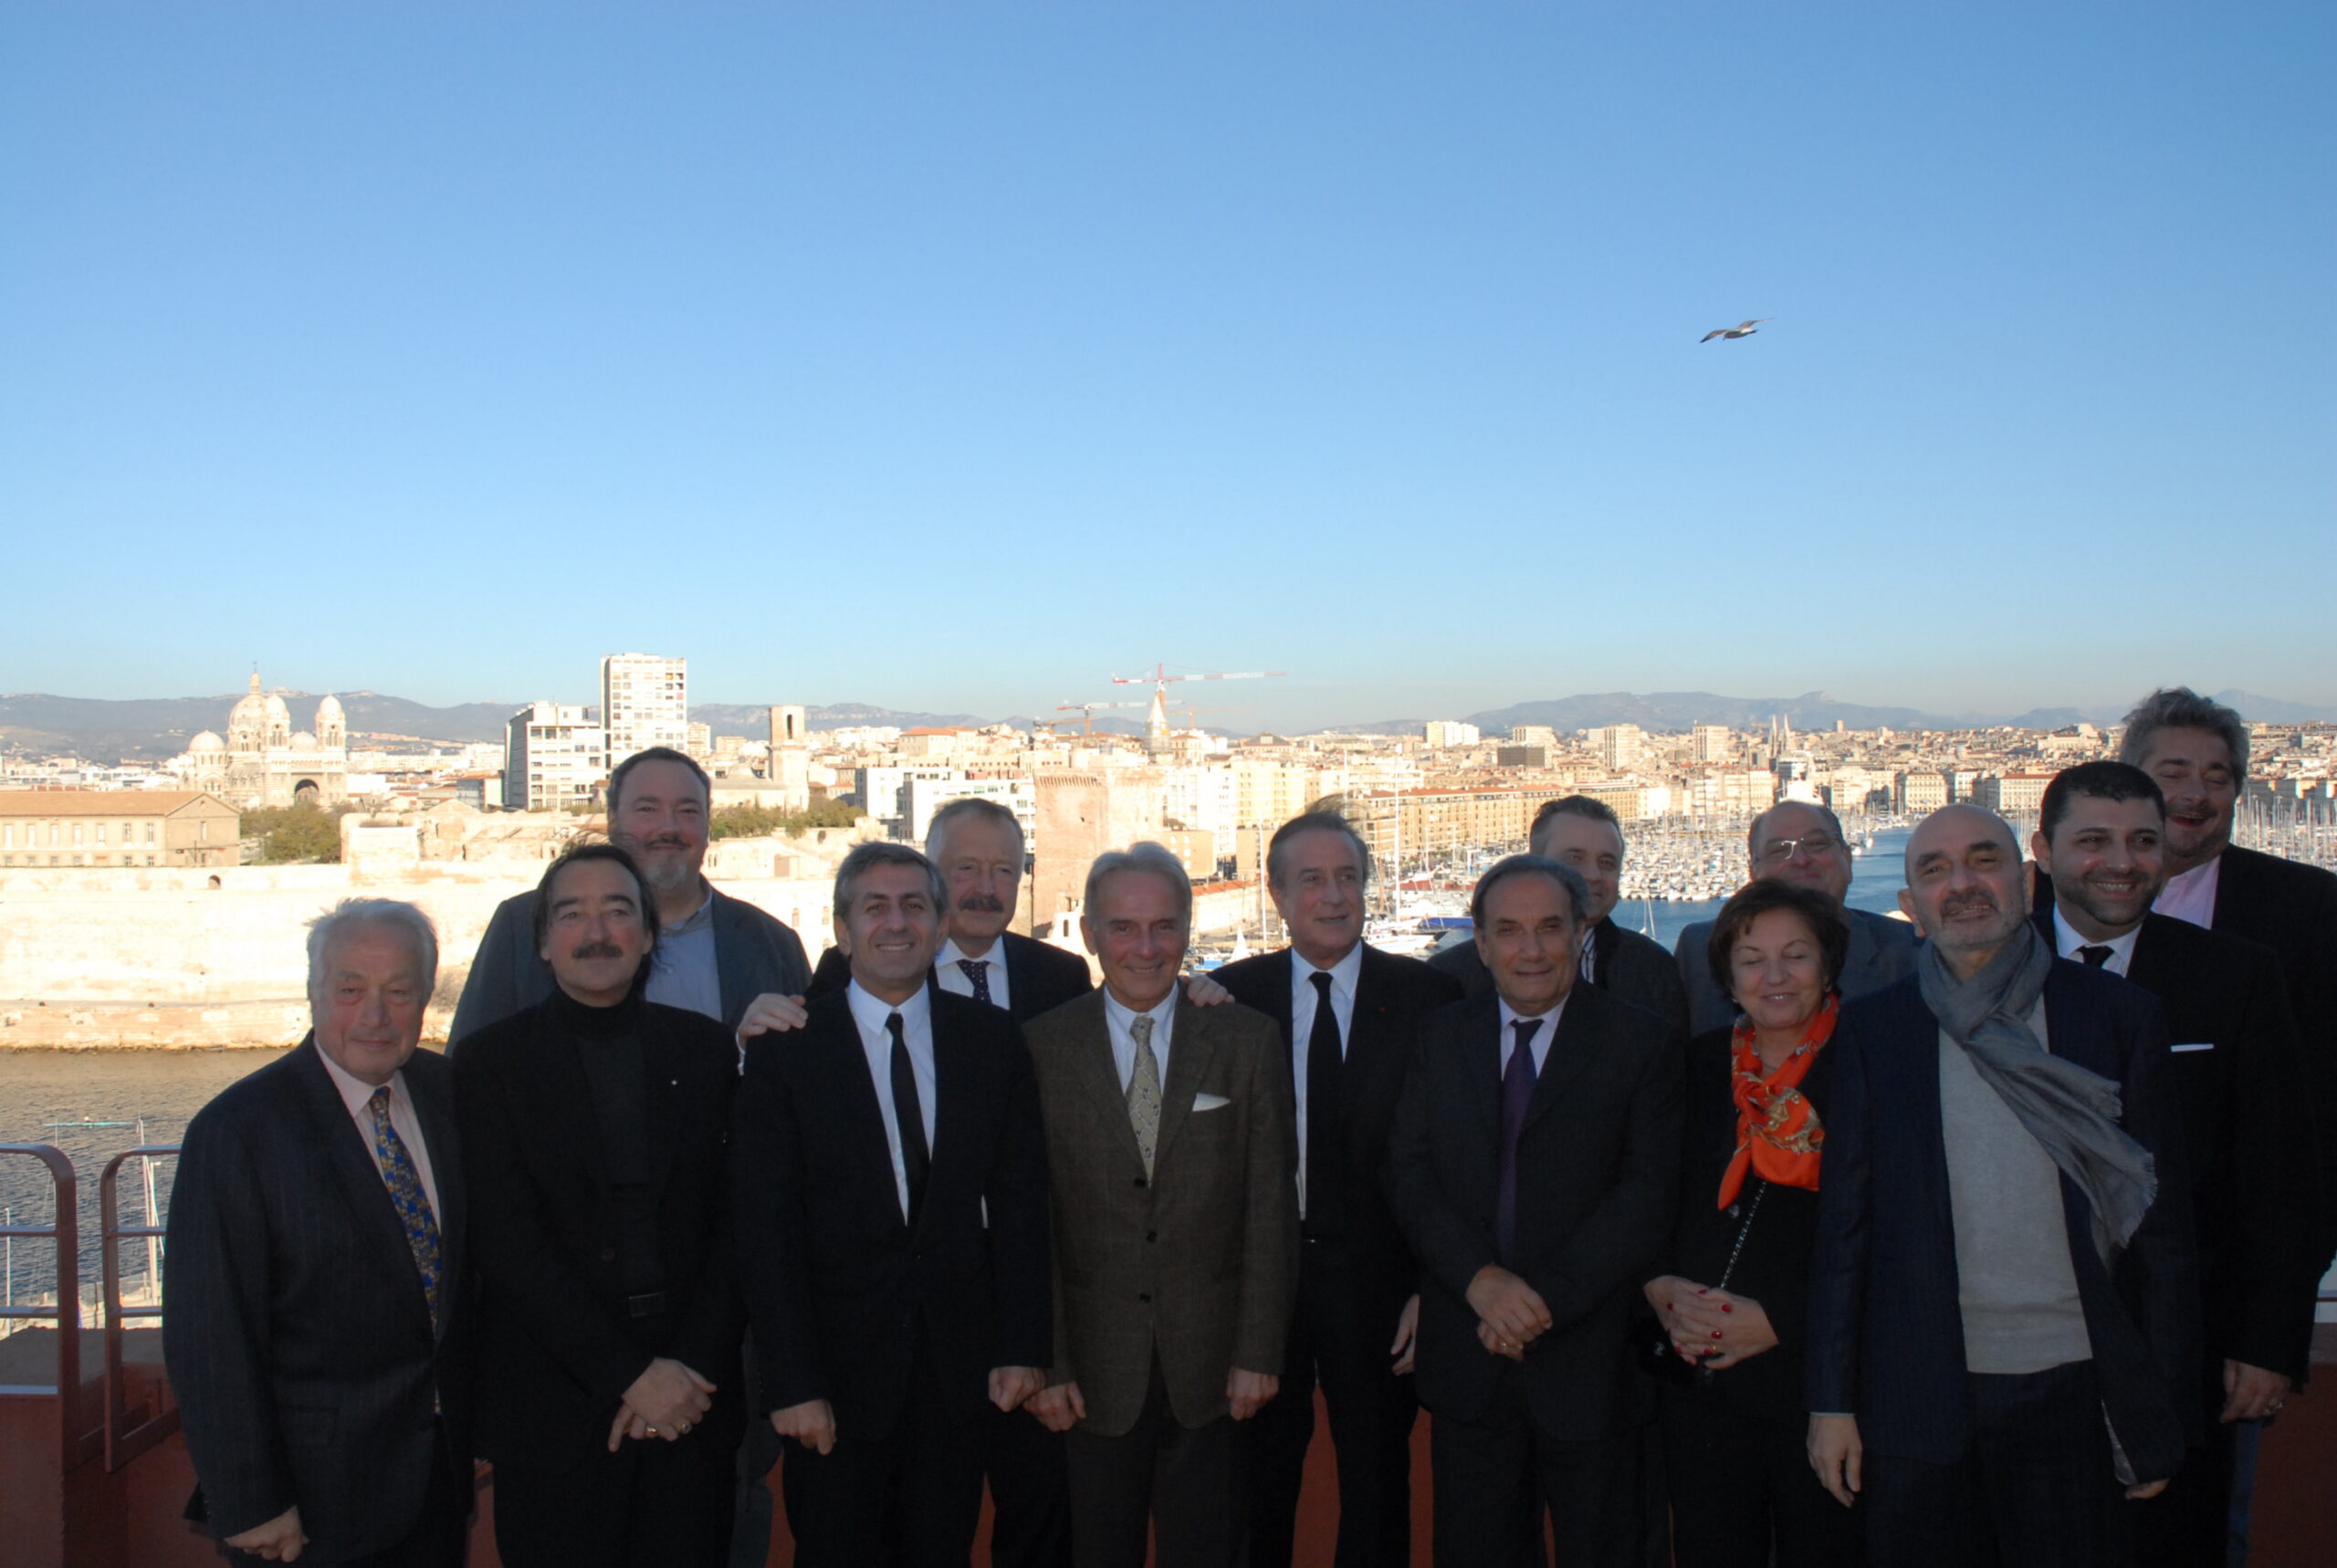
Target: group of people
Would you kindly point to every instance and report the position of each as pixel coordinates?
(1986, 1236)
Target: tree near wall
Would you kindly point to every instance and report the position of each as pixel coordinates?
(288, 835)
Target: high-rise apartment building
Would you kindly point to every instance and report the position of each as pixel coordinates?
(644, 702)
(553, 756)
(1619, 746)
(1709, 742)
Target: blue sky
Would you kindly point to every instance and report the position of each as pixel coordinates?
(957, 357)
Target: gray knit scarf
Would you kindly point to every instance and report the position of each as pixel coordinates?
(2071, 1112)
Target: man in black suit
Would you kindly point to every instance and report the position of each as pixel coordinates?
(717, 956)
(319, 1310)
(1350, 1017)
(600, 1187)
(2197, 751)
(892, 1194)
(1586, 836)
(2003, 1329)
(978, 845)
(1801, 842)
(1534, 1167)
(2247, 1125)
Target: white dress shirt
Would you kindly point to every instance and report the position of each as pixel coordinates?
(358, 1094)
(954, 981)
(2121, 948)
(869, 1012)
(1118, 1017)
(1539, 1044)
(2191, 895)
(1344, 976)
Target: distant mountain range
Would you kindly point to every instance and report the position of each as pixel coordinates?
(152, 729)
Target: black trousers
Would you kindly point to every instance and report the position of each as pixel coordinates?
(2188, 1525)
(1029, 1523)
(1340, 1335)
(1488, 1473)
(2033, 1488)
(912, 1498)
(1182, 1480)
(441, 1536)
(1742, 1492)
(651, 1504)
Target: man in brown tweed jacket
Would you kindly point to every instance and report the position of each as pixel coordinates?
(1170, 1157)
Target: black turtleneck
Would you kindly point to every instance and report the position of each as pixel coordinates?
(609, 1044)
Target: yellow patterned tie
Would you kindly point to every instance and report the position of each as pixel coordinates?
(1144, 1091)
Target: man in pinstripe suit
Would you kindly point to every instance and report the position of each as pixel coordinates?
(315, 1276)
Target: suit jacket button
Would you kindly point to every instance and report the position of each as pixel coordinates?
(1141, 1181)
(1144, 1296)
(1152, 1236)
(608, 1254)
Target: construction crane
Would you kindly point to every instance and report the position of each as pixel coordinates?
(1087, 712)
(1158, 724)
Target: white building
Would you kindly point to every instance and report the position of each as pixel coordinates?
(644, 702)
(1450, 732)
(921, 797)
(554, 756)
(264, 762)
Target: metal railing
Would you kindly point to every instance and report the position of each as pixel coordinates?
(130, 1432)
(76, 1440)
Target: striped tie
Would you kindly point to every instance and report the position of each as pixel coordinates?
(1144, 1091)
(405, 1193)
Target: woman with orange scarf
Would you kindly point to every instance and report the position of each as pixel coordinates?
(1730, 1308)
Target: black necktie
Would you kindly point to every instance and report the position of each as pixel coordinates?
(917, 1158)
(2094, 956)
(1324, 1202)
(977, 976)
(1516, 1094)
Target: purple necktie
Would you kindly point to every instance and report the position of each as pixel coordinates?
(977, 976)
(1516, 1094)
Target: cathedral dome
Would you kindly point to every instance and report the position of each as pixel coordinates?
(327, 709)
(206, 741)
(304, 741)
(275, 708)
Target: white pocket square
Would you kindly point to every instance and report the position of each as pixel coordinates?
(2199, 1045)
(1209, 1101)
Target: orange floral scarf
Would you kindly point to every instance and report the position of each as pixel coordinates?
(1778, 1137)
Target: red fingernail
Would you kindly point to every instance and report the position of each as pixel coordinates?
(1715, 1333)
(1728, 1306)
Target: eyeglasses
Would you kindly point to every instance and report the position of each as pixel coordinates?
(1816, 846)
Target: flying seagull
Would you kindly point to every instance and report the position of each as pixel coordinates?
(1741, 329)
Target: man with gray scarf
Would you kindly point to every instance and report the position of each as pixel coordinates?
(2003, 1319)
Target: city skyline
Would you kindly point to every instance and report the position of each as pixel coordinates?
(955, 359)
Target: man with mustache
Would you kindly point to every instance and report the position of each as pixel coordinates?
(1584, 835)
(600, 1201)
(2247, 1125)
(2003, 1328)
(1800, 842)
(716, 955)
(978, 846)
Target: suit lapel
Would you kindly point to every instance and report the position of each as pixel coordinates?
(1020, 983)
(731, 964)
(1192, 1045)
(1571, 1056)
(859, 1099)
(352, 1159)
(661, 1088)
(437, 1119)
(954, 1078)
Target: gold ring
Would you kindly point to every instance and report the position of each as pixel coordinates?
(653, 1431)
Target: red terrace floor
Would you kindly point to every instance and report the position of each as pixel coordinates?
(130, 1518)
